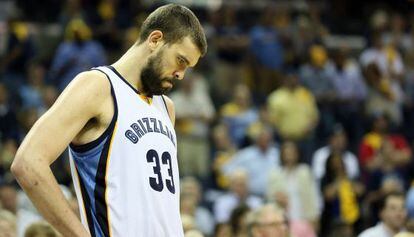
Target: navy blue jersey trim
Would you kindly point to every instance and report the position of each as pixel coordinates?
(87, 205)
(90, 145)
(123, 79)
(101, 206)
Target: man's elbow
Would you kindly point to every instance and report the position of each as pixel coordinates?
(18, 166)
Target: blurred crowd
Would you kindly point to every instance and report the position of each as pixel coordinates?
(292, 125)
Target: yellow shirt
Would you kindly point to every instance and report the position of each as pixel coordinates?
(292, 112)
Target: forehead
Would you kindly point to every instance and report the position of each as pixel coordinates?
(394, 201)
(187, 49)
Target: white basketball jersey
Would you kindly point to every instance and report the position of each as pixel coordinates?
(127, 181)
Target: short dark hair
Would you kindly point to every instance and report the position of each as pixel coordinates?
(175, 22)
(383, 202)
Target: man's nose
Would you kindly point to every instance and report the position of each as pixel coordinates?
(179, 75)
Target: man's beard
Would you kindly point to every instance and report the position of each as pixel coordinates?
(151, 79)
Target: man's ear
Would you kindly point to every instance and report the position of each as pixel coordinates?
(155, 39)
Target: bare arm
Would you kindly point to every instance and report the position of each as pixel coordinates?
(48, 138)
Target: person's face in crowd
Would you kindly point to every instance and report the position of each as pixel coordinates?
(290, 154)
(380, 124)
(271, 224)
(338, 142)
(394, 213)
(8, 198)
(291, 81)
(168, 63)
(242, 96)
(264, 139)
(188, 204)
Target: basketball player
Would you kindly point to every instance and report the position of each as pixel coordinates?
(120, 130)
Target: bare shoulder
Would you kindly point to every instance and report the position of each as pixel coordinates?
(92, 83)
(170, 107)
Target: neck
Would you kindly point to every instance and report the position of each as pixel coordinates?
(131, 64)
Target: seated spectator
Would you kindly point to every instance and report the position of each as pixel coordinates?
(237, 195)
(190, 199)
(392, 217)
(194, 111)
(257, 160)
(373, 141)
(341, 196)
(293, 113)
(40, 229)
(268, 221)
(239, 114)
(293, 187)
(337, 145)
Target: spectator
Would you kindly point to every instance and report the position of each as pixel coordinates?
(190, 199)
(194, 110)
(294, 114)
(238, 194)
(374, 139)
(239, 114)
(268, 221)
(294, 188)
(20, 50)
(337, 146)
(341, 196)
(77, 53)
(257, 160)
(389, 177)
(392, 215)
(316, 76)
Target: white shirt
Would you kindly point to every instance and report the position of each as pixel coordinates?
(224, 205)
(257, 164)
(321, 156)
(380, 230)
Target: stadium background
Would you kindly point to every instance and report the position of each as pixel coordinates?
(293, 98)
